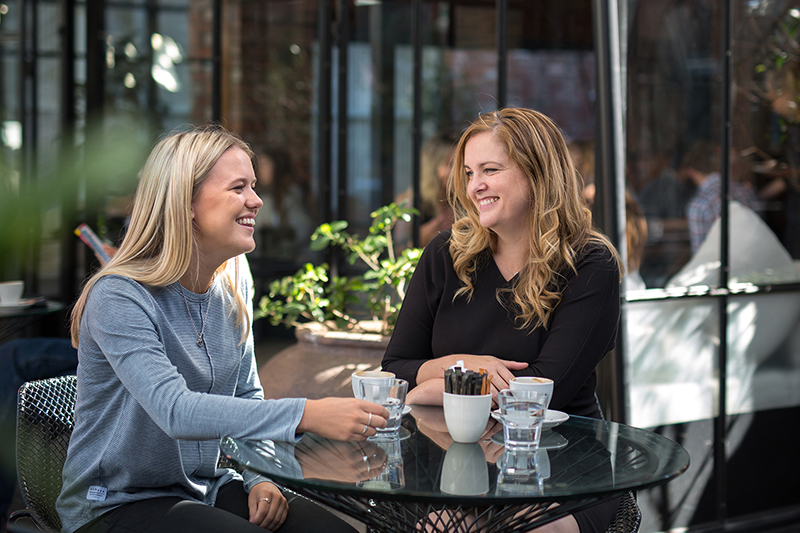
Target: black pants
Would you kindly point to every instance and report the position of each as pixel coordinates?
(229, 514)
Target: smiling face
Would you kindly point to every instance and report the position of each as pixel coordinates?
(224, 210)
(497, 186)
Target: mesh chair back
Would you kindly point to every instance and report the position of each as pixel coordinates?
(629, 517)
(45, 418)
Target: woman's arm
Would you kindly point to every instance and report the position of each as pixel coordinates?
(136, 352)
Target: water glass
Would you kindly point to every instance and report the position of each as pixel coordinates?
(520, 472)
(392, 477)
(522, 413)
(391, 395)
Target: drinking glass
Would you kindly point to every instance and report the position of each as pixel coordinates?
(392, 477)
(520, 472)
(391, 395)
(522, 413)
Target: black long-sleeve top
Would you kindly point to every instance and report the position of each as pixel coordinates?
(582, 328)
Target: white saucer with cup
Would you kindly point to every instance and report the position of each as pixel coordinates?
(534, 383)
(379, 377)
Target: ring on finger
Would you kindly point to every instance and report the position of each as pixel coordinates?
(365, 429)
(264, 500)
(369, 422)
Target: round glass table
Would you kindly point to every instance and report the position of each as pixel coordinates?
(15, 318)
(423, 481)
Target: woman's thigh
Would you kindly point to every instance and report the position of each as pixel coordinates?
(229, 515)
(304, 516)
(168, 515)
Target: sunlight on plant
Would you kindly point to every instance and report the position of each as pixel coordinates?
(312, 295)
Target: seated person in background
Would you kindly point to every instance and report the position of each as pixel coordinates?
(159, 388)
(701, 165)
(636, 238)
(436, 160)
(285, 223)
(521, 285)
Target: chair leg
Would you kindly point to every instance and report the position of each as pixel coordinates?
(22, 521)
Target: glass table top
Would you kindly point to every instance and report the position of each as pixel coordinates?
(580, 458)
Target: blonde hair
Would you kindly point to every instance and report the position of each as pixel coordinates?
(560, 224)
(157, 248)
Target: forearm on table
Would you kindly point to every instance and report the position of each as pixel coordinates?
(434, 368)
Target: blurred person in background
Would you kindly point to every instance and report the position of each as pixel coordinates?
(436, 161)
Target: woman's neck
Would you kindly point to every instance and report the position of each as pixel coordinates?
(197, 279)
(510, 257)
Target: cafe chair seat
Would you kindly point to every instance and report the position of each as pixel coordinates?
(45, 418)
(628, 516)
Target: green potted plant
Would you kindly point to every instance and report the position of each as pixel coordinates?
(364, 303)
(342, 323)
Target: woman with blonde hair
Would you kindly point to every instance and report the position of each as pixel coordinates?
(166, 364)
(522, 284)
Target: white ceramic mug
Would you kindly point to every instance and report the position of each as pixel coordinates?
(533, 383)
(11, 292)
(466, 415)
(370, 376)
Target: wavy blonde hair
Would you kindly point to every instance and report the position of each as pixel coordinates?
(560, 223)
(157, 248)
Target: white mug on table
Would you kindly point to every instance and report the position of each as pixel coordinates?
(533, 383)
(370, 376)
(11, 292)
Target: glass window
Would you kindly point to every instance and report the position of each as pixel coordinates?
(675, 171)
(270, 78)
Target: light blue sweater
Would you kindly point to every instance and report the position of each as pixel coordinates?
(152, 405)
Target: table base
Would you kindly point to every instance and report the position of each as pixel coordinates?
(393, 516)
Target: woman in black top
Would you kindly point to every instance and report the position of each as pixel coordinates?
(522, 285)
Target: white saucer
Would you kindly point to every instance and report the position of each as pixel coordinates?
(406, 410)
(16, 306)
(552, 419)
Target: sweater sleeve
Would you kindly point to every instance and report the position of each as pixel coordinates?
(135, 350)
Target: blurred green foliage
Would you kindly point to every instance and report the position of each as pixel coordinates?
(70, 182)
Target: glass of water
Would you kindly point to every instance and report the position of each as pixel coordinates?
(522, 413)
(391, 395)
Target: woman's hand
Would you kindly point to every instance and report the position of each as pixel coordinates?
(500, 370)
(347, 462)
(426, 393)
(268, 507)
(343, 418)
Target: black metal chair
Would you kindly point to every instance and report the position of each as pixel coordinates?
(629, 517)
(45, 418)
